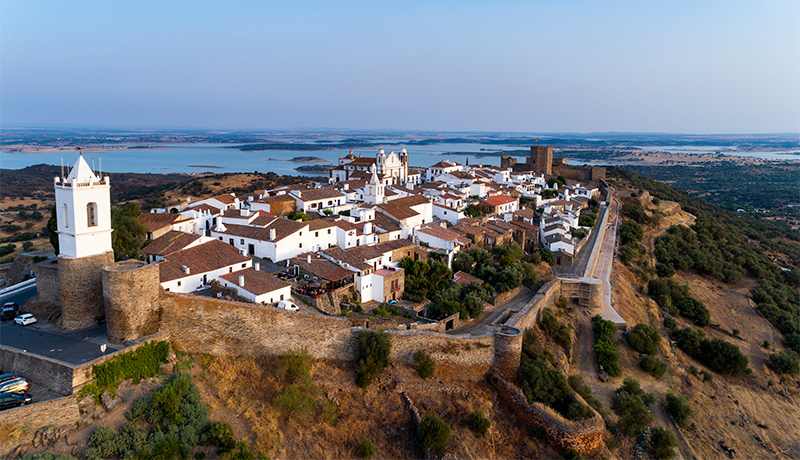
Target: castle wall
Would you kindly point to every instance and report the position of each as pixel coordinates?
(26, 421)
(131, 298)
(41, 371)
(529, 314)
(541, 160)
(81, 282)
(508, 352)
(585, 436)
(579, 173)
(47, 282)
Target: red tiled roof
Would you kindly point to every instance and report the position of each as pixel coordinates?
(321, 267)
(283, 228)
(255, 281)
(154, 221)
(170, 242)
(202, 258)
(497, 200)
(465, 278)
(225, 198)
(315, 194)
(440, 232)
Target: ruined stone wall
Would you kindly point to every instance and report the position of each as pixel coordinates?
(40, 371)
(26, 421)
(503, 296)
(131, 291)
(545, 297)
(81, 282)
(390, 294)
(579, 173)
(471, 357)
(585, 436)
(21, 266)
(222, 327)
(588, 292)
(47, 283)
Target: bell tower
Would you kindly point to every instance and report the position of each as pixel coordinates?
(83, 213)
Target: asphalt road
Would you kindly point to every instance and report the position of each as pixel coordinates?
(71, 347)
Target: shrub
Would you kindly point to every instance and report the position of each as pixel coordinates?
(220, 434)
(530, 343)
(294, 401)
(694, 309)
(793, 342)
(679, 409)
(630, 403)
(664, 270)
(137, 364)
(578, 411)
(434, 433)
(662, 443)
(605, 349)
(374, 348)
(540, 383)
(295, 366)
(572, 454)
(644, 339)
(669, 322)
(653, 365)
(425, 364)
(547, 256)
(366, 449)
(719, 355)
(630, 232)
(786, 362)
(551, 326)
(104, 442)
(577, 384)
(478, 423)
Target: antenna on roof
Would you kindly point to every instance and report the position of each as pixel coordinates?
(62, 168)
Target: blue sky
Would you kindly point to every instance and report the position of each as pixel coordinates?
(532, 66)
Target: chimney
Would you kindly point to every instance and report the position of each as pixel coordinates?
(257, 266)
(185, 269)
(346, 187)
(308, 258)
(368, 228)
(241, 280)
(272, 235)
(246, 212)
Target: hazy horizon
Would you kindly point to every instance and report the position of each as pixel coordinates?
(510, 67)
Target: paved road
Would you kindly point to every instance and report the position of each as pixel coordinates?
(20, 297)
(605, 262)
(36, 339)
(483, 325)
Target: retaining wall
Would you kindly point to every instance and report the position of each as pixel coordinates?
(26, 421)
(545, 297)
(47, 282)
(41, 371)
(585, 436)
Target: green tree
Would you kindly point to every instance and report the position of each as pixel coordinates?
(478, 423)
(129, 235)
(425, 364)
(679, 409)
(434, 433)
(374, 348)
(630, 404)
(644, 339)
(52, 228)
(366, 449)
(662, 443)
(786, 362)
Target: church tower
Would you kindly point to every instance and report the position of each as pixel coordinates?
(374, 190)
(83, 207)
(83, 203)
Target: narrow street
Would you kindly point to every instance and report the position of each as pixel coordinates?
(482, 325)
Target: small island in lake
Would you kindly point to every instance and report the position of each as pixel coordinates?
(319, 169)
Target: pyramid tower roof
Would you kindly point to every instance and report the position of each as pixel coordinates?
(81, 172)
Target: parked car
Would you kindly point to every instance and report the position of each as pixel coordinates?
(10, 311)
(17, 385)
(24, 320)
(9, 400)
(286, 305)
(6, 377)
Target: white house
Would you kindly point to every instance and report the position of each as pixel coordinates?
(280, 240)
(319, 199)
(438, 237)
(411, 213)
(192, 269)
(257, 286)
(442, 167)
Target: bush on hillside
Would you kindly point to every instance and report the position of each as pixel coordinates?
(634, 212)
(793, 342)
(630, 403)
(295, 366)
(695, 310)
(541, 383)
(786, 362)
(577, 384)
(653, 365)
(366, 449)
(424, 363)
(679, 409)
(478, 423)
(644, 339)
(719, 355)
(374, 348)
(578, 411)
(605, 349)
(662, 443)
(434, 433)
(554, 328)
(630, 232)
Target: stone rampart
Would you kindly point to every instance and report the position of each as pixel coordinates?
(465, 351)
(504, 296)
(585, 436)
(26, 422)
(508, 352)
(41, 371)
(224, 327)
(131, 292)
(529, 314)
(81, 283)
(587, 291)
(47, 282)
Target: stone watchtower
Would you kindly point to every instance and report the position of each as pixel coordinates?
(131, 292)
(83, 206)
(541, 160)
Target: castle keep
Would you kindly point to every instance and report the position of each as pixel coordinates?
(541, 161)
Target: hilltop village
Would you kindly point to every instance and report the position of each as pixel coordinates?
(356, 227)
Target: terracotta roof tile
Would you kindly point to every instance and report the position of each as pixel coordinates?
(202, 258)
(154, 221)
(170, 242)
(255, 281)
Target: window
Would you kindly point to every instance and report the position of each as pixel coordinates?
(91, 214)
(330, 202)
(241, 241)
(179, 283)
(300, 246)
(230, 240)
(316, 234)
(329, 231)
(66, 217)
(220, 238)
(301, 233)
(244, 265)
(230, 270)
(281, 296)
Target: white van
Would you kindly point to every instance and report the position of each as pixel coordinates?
(286, 305)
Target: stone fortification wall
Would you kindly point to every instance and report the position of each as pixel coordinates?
(503, 296)
(28, 422)
(223, 327)
(579, 173)
(545, 297)
(588, 292)
(81, 282)
(131, 291)
(41, 371)
(82, 374)
(47, 283)
(508, 352)
(464, 351)
(20, 268)
(585, 436)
